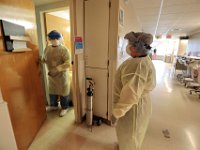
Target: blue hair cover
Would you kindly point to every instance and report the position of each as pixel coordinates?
(54, 35)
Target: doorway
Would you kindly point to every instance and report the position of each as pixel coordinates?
(59, 20)
(47, 21)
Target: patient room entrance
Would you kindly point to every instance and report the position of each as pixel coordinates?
(58, 19)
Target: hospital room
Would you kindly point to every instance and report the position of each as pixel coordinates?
(100, 75)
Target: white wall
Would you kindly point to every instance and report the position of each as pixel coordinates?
(182, 47)
(7, 139)
(131, 23)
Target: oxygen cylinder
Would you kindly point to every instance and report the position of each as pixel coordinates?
(89, 113)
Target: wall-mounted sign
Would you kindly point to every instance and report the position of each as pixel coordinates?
(168, 36)
(78, 45)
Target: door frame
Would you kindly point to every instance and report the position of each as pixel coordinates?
(75, 76)
(75, 85)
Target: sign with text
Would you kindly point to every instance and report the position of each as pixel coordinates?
(78, 45)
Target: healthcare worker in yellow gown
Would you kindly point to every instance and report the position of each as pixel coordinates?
(57, 58)
(134, 79)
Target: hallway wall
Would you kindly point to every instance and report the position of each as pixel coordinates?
(182, 47)
(194, 44)
(130, 20)
(7, 139)
(130, 24)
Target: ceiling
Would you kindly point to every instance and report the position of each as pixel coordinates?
(163, 17)
(62, 14)
(168, 17)
(42, 2)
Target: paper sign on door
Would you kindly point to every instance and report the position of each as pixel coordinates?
(78, 45)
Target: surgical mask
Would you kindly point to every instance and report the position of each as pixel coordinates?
(55, 42)
(128, 51)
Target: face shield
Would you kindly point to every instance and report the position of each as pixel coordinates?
(124, 44)
(122, 47)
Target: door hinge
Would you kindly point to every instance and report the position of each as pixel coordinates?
(108, 62)
(109, 4)
(108, 74)
(106, 113)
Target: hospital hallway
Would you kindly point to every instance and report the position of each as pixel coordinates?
(174, 109)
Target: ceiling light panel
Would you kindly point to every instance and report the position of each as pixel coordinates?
(178, 2)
